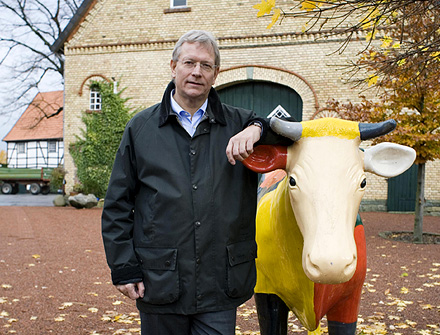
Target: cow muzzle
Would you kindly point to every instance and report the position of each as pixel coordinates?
(324, 267)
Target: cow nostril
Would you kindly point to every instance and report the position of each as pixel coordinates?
(351, 266)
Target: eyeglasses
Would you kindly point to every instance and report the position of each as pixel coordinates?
(190, 64)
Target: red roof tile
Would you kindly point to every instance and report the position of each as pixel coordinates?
(43, 119)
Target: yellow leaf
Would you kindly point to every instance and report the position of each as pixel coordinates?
(411, 323)
(404, 290)
(370, 36)
(427, 306)
(6, 286)
(401, 62)
(372, 80)
(33, 318)
(275, 17)
(36, 256)
(265, 7)
(4, 314)
(117, 303)
(59, 319)
(93, 310)
(404, 274)
(396, 45)
(386, 41)
(310, 5)
(66, 304)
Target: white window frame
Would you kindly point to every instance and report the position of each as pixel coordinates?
(21, 148)
(95, 99)
(173, 4)
(52, 146)
(279, 112)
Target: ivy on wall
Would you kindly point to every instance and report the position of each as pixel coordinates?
(94, 151)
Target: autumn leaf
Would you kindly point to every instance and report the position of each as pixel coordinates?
(310, 5)
(275, 17)
(66, 304)
(265, 7)
(36, 256)
(386, 41)
(372, 81)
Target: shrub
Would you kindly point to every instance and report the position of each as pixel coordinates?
(95, 151)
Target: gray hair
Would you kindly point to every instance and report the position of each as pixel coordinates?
(200, 36)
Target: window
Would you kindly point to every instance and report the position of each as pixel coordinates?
(279, 112)
(21, 148)
(177, 3)
(52, 146)
(95, 99)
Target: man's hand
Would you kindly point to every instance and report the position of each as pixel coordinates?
(133, 291)
(241, 145)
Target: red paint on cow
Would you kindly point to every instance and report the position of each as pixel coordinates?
(266, 158)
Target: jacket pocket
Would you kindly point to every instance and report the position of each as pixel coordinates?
(161, 275)
(241, 273)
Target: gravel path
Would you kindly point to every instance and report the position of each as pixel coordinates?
(54, 278)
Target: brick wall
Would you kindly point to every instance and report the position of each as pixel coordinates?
(132, 41)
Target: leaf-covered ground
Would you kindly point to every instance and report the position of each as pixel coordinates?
(54, 278)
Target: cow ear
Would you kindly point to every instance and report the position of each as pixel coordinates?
(266, 158)
(388, 159)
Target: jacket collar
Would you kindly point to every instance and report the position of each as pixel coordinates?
(214, 110)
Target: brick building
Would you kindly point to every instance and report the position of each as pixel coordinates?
(278, 70)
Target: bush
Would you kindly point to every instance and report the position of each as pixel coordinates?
(95, 152)
(57, 179)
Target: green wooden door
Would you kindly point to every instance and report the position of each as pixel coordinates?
(263, 98)
(402, 191)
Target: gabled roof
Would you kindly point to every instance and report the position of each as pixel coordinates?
(72, 26)
(43, 119)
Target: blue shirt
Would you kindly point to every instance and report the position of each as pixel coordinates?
(188, 123)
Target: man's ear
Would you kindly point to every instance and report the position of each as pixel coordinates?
(216, 72)
(173, 68)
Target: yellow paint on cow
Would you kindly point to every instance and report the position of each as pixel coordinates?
(280, 256)
(331, 127)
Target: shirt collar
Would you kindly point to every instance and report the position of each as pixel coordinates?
(175, 107)
(214, 110)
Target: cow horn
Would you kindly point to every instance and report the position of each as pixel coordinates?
(372, 130)
(292, 130)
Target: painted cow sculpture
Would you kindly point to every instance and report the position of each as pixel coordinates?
(311, 242)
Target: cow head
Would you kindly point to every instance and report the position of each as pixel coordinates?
(326, 181)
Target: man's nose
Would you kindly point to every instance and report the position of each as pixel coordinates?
(197, 70)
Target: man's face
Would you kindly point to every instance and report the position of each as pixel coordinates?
(194, 73)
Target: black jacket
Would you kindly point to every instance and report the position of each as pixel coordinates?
(178, 215)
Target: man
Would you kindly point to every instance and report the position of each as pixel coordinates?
(179, 218)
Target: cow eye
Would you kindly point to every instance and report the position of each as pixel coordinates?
(364, 183)
(292, 181)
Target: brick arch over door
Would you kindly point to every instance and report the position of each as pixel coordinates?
(235, 75)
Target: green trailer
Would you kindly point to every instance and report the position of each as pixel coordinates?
(38, 179)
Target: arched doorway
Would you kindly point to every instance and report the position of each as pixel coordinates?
(263, 98)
